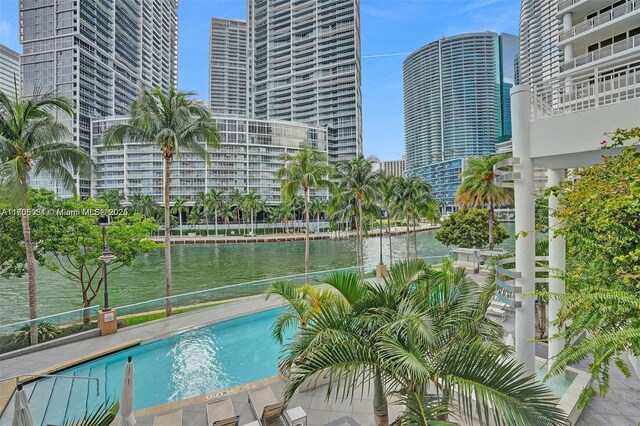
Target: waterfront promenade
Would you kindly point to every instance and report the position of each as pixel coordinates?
(193, 238)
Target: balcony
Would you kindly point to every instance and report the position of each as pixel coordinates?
(599, 20)
(604, 52)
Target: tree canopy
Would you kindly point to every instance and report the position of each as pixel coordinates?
(468, 228)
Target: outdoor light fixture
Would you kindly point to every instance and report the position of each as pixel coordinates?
(106, 258)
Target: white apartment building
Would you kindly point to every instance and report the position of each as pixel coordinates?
(249, 155)
(394, 167)
(9, 71)
(228, 82)
(97, 54)
(558, 124)
(304, 66)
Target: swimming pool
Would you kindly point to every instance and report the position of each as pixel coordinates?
(180, 366)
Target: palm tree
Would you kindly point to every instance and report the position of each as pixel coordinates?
(386, 197)
(316, 208)
(173, 121)
(286, 213)
(180, 207)
(113, 198)
(479, 189)
(358, 181)
(31, 142)
(226, 214)
(196, 216)
(213, 202)
(236, 197)
(307, 169)
(251, 202)
(144, 204)
(199, 203)
(421, 335)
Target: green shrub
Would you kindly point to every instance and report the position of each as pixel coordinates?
(469, 229)
(46, 331)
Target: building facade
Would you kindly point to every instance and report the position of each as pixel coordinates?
(304, 66)
(249, 155)
(393, 167)
(97, 54)
(9, 71)
(228, 81)
(456, 105)
(539, 55)
(560, 114)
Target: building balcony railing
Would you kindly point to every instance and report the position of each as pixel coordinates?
(604, 52)
(601, 19)
(592, 91)
(566, 3)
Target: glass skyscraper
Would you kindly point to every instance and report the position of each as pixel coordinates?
(97, 54)
(456, 105)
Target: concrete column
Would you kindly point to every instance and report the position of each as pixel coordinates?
(525, 226)
(557, 261)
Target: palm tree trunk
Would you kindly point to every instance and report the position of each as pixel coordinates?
(206, 218)
(408, 234)
(415, 238)
(380, 408)
(389, 235)
(360, 245)
(31, 271)
(253, 229)
(491, 226)
(180, 218)
(215, 221)
(306, 235)
(167, 235)
(318, 223)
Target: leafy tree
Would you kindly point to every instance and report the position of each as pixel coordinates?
(73, 243)
(600, 220)
(421, 335)
(478, 189)
(173, 121)
(468, 228)
(306, 170)
(32, 142)
(179, 208)
(360, 183)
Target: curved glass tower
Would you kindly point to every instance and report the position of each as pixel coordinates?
(456, 105)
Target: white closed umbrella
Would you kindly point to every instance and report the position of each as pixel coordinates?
(509, 341)
(22, 414)
(126, 398)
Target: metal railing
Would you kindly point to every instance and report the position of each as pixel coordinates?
(566, 3)
(603, 52)
(602, 87)
(596, 21)
(61, 376)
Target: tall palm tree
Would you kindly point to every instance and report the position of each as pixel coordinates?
(251, 202)
(386, 198)
(196, 216)
(286, 213)
(306, 170)
(144, 204)
(479, 189)
(213, 202)
(32, 142)
(173, 121)
(421, 335)
(113, 198)
(236, 197)
(200, 203)
(179, 207)
(360, 182)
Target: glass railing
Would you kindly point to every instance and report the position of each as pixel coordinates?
(604, 52)
(602, 18)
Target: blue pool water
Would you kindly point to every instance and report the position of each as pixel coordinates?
(181, 366)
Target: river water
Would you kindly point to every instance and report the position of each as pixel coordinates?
(204, 266)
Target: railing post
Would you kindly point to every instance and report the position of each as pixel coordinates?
(596, 89)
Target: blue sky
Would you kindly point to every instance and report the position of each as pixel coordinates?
(388, 26)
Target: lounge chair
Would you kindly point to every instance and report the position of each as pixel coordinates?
(221, 413)
(265, 405)
(173, 418)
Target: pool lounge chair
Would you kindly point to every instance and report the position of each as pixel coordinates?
(221, 413)
(173, 418)
(265, 405)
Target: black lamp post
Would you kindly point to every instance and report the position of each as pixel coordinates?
(106, 258)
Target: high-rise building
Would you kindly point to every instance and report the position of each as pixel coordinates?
(304, 66)
(456, 105)
(9, 71)
(228, 81)
(250, 153)
(539, 26)
(393, 167)
(97, 54)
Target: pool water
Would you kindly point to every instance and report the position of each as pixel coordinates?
(557, 384)
(177, 367)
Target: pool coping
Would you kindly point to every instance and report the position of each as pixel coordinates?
(8, 386)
